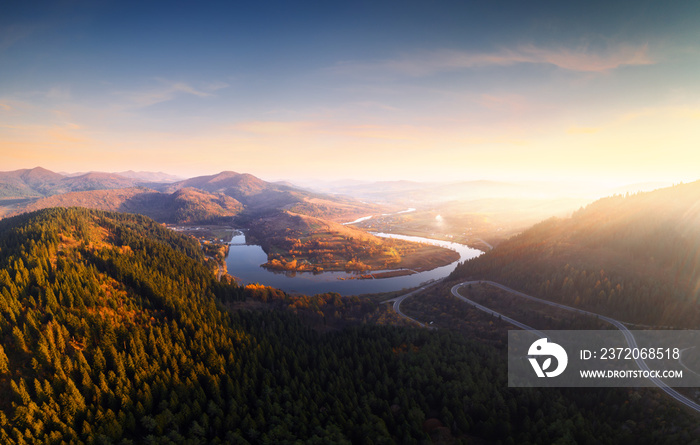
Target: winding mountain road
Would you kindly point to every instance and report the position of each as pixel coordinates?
(397, 304)
(631, 341)
(629, 337)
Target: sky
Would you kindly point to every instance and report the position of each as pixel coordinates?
(380, 90)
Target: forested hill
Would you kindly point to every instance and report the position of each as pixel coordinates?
(636, 257)
(185, 206)
(112, 331)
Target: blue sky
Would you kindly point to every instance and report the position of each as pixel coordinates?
(603, 91)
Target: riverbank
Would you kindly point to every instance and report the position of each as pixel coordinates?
(212, 240)
(417, 258)
(300, 243)
(245, 260)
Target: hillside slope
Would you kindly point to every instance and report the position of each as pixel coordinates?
(185, 206)
(635, 257)
(262, 196)
(28, 183)
(112, 331)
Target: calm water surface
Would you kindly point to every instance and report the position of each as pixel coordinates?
(244, 262)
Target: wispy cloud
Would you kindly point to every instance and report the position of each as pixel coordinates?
(432, 62)
(169, 90)
(174, 87)
(583, 60)
(13, 109)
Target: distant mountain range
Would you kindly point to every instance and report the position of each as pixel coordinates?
(199, 199)
(139, 176)
(277, 214)
(40, 182)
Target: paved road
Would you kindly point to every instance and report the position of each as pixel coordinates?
(487, 244)
(631, 341)
(219, 268)
(397, 304)
(494, 313)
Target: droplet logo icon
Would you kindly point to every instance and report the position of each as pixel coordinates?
(544, 348)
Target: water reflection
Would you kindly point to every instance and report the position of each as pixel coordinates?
(244, 262)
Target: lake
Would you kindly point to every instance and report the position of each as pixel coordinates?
(244, 260)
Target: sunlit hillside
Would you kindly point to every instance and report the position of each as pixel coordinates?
(634, 256)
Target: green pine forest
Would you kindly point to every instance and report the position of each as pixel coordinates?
(113, 330)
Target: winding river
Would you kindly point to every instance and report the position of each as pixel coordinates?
(244, 260)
